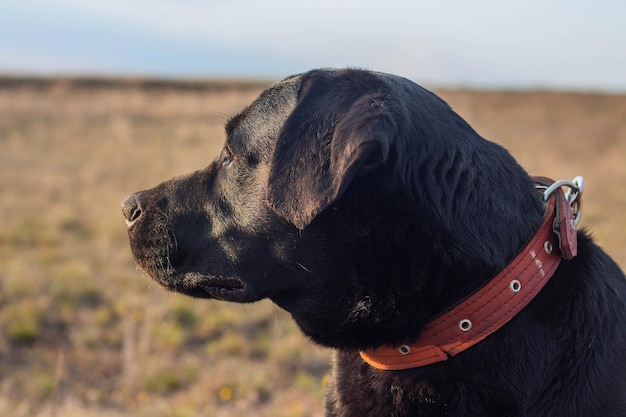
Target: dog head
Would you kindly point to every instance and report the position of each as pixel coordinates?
(358, 201)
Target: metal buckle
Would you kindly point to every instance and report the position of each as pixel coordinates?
(573, 195)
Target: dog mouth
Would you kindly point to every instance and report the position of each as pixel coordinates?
(209, 287)
(227, 289)
(170, 270)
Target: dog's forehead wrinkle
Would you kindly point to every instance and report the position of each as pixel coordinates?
(233, 122)
(255, 130)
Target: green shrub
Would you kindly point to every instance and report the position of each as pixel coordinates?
(23, 322)
(185, 316)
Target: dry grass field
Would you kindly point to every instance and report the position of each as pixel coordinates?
(83, 333)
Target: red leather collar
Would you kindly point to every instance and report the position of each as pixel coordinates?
(496, 303)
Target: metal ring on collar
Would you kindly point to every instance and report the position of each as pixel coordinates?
(573, 195)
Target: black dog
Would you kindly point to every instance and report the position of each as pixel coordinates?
(364, 206)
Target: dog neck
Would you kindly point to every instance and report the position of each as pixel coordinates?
(497, 302)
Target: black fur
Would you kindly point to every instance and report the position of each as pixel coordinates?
(363, 205)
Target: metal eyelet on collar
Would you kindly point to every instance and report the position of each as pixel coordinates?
(515, 285)
(465, 325)
(404, 349)
(547, 246)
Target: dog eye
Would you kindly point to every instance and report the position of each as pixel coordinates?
(226, 157)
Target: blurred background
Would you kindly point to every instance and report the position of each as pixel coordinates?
(576, 44)
(99, 99)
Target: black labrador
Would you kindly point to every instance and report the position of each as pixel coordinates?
(363, 205)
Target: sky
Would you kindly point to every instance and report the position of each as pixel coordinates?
(539, 44)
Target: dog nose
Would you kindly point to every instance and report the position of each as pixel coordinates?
(131, 209)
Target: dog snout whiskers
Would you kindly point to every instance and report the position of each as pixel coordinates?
(131, 209)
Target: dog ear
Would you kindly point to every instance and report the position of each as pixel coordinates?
(341, 125)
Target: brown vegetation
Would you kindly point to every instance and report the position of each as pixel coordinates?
(82, 332)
